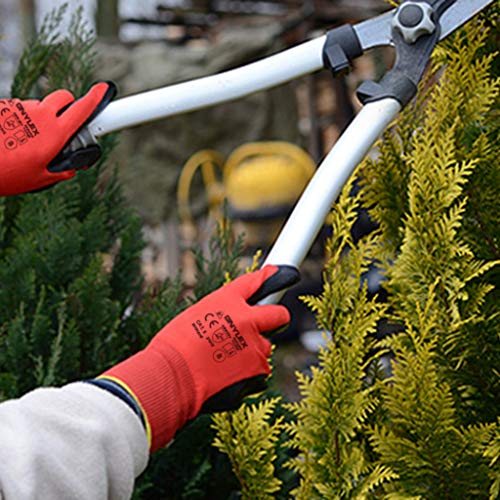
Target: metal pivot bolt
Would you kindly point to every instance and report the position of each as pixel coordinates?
(413, 20)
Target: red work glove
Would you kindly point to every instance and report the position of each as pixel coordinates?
(208, 357)
(34, 133)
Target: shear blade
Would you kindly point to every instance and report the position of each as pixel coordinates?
(459, 13)
(377, 32)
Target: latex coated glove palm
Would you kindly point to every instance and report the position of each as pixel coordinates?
(208, 357)
(34, 133)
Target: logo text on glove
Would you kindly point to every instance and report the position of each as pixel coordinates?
(238, 336)
(17, 126)
(225, 339)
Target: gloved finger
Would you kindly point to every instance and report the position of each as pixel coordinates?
(248, 284)
(58, 100)
(270, 317)
(55, 179)
(266, 349)
(88, 106)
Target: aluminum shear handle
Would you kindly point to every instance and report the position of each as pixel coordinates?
(266, 73)
(413, 29)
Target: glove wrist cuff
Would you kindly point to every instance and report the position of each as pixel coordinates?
(163, 385)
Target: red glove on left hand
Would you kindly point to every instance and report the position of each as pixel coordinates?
(33, 134)
(208, 357)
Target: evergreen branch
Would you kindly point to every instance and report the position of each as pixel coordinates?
(249, 439)
(72, 66)
(37, 54)
(46, 373)
(492, 453)
(222, 263)
(491, 243)
(331, 459)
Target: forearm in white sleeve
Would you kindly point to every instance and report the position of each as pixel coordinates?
(77, 442)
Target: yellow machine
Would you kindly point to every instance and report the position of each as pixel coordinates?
(261, 182)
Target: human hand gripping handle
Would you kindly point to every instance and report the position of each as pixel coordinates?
(207, 358)
(34, 133)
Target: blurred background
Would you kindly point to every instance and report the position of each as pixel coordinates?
(254, 155)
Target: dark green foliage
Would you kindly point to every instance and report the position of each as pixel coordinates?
(214, 272)
(190, 468)
(61, 308)
(71, 296)
(37, 55)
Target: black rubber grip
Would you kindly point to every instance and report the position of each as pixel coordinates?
(75, 160)
(341, 47)
(285, 277)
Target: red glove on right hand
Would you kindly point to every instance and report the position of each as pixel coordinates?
(212, 354)
(34, 133)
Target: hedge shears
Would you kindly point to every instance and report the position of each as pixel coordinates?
(413, 29)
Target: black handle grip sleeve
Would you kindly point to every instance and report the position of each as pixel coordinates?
(285, 277)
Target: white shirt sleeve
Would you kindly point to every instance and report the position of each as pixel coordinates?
(76, 442)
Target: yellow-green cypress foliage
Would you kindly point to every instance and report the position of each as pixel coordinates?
(338, 398)
(441, 401)
(429, 428)
(492, 453)
(249, 436)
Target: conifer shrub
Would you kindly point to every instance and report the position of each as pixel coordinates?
(72, 300)
(62, 310)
